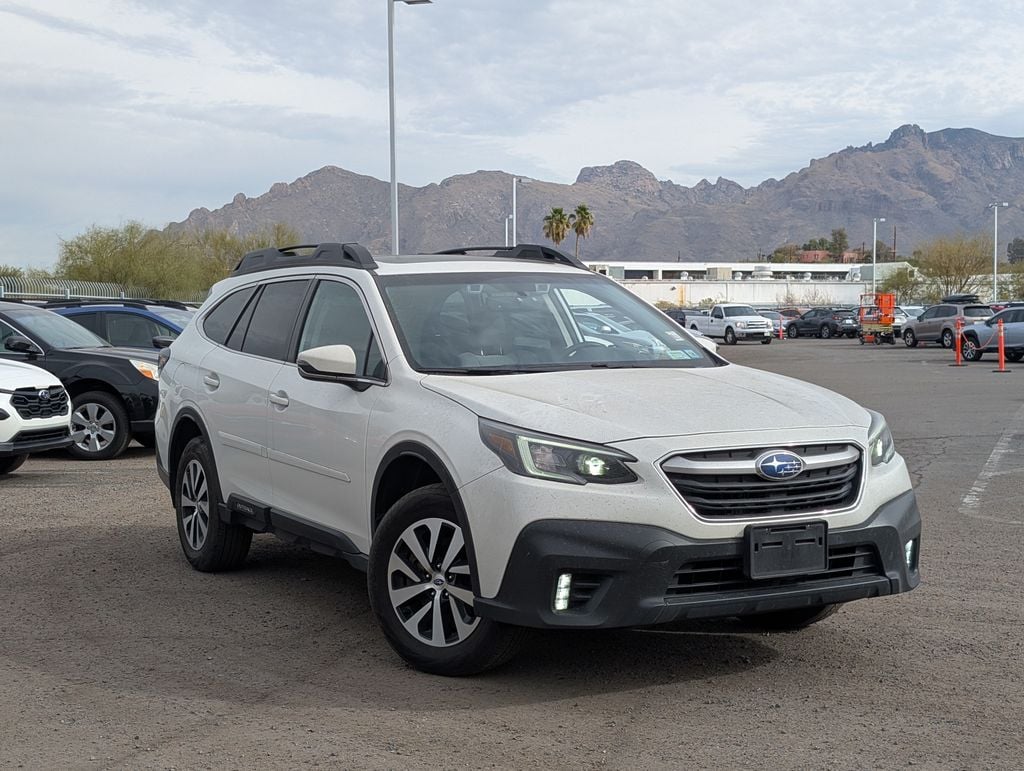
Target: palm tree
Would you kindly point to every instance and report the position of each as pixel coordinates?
(556, 225)
(582, 222)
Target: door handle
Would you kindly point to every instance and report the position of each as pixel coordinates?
(212, 381)
(280, 399)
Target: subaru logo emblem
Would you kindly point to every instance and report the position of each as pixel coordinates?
(44, 395)
(778, 465)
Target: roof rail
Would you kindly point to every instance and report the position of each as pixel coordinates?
(538, 252)
(134, 302)
(350, 255)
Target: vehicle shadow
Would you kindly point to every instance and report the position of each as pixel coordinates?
(118, 607)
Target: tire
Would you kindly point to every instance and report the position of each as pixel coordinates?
(792, 332)
(99, 426)
(455, 642)
(11, 463)
(910, 339)
(766, 341)
(825, 332)
(948, 338)
(210, 544)
(146, 440)
(730, 336)
(1014, 355)
(851, 335)
(970, 350)
(789, 620)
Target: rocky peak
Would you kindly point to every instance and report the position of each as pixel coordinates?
(625, 176)
(907, 135)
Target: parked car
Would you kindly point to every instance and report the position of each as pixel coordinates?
(777, 320)
(443, 423)
(34, 413)
(113, 390)
(984, 337)
(601, 327)
(128, 323)
(733, 322)
(824, 323)
(937, 324)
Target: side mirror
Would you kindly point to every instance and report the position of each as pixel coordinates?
(327, 362)
(20, 344)
(706, 343)
(607, 330)
(162, 341)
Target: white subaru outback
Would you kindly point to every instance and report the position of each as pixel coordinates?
(444, 423)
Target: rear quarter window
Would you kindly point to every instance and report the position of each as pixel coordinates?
(221, 320)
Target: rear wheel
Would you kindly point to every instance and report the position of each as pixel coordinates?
(825, 332)
(209, 543)
(420, 582)
(11, 463)
(789, 620)
(910, 339)
(1014, 355)
(99, 426)
(730, 336)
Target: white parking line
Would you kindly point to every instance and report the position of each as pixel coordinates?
(970, 504)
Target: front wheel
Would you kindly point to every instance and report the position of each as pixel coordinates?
(910, 339)
(99, 426)
(766, 341)
(792, 332)
(789, 620)
(851, 335)
(11, 463)
(970, 350)
(948, 338)
(420, 581)
(730, 336)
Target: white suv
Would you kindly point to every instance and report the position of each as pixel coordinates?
(445, 423)
(34, 413)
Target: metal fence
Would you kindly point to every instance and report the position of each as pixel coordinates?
(19, 288)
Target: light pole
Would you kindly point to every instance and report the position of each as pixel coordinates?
(995, 206)
(874, 250)
(508, 218)
(515, 221)
(391, 114)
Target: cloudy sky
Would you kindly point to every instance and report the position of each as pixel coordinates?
(145, 109)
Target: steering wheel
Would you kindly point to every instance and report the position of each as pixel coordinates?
(575, 348)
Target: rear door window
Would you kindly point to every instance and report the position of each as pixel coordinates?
(132, 330)
(90, 321)
(273, 319)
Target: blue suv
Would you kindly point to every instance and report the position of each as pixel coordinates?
(128, 323)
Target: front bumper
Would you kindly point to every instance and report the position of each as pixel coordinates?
(36, 440)
(742, 334)
(638, 575)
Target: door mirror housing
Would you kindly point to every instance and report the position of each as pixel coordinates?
(20, 344)
(707, 343)
(332, 361)
(162, 341)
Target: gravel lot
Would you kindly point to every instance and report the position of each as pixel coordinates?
(114, 653)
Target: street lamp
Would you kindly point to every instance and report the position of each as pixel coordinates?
(391, 115)
(874, 250)
(515, 221)
(995, 207)
(508, 219)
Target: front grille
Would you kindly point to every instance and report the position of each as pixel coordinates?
(726, 574)
(40, 434)
(31, 405)
(724, 483)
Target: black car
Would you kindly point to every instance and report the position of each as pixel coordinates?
(113, 390)
(824, 323)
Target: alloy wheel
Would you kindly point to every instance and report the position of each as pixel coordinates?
(93, 427)
(429, 585)
(195, 505)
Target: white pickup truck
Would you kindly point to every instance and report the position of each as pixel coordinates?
(732, 322)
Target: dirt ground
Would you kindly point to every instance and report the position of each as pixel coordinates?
(115, 653)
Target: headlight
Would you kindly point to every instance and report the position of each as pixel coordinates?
(741, 325)
(880, 444)
(146, 368)
(549, 457)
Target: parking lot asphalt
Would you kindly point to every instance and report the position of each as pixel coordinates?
(115, 653)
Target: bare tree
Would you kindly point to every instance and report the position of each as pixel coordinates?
(956, 264)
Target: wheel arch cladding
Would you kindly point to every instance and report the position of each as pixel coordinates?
(187, 426)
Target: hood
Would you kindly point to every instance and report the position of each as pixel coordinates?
(140, 354)
(618, 404)
(16, 374)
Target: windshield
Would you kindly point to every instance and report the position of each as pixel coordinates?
(177, 317)
(501, 323)
(978, 311)
(771, 315)
(54, 330)
(740, 310)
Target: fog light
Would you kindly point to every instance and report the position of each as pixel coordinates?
(562, 588)
(909, 550)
